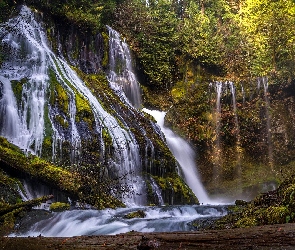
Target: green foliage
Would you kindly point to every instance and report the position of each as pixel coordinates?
(6, 9)
(152, 34)
(249, 38)
(88, 15)
(269, 36)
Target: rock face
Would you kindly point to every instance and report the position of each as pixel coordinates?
(243, 132)
(72, 117)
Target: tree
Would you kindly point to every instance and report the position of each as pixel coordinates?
(151, 31)
(267, 26)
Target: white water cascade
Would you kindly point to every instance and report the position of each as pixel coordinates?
(24, 125)
(111, 222)
(185, 156)
(31, 59)
(218, 153)
(121, 76)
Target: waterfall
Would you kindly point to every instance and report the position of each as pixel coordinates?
(218, 153)
(237, 131)
(30, 60)
(121, 76)
(185, 156)
(157, 191)
(23, 124)
(268, 120)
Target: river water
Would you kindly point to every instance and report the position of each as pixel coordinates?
(113, 221)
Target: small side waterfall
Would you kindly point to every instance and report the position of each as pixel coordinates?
(121, 76)
(157, 191)
(218, 153)
(185, 156)
(237, 131)
(268, 120)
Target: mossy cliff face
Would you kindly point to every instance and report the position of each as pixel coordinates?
(156, 158)
(69, 113)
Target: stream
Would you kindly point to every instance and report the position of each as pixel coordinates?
(113, 221)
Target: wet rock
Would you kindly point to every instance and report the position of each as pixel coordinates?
(136, 214)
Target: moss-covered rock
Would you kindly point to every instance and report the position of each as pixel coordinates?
(69, 182)
(9, 213)
(136, 214)
(59, 206)
(176, 190)
(273, 207)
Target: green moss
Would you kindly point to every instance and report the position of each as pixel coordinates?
(99, 86)
(47, 148)
(106, 137)
(289, 196)
(63, 122)
(57, 93)
(17, 87)
(7, 221)
(276, 214)
(136, 214)
(246, 222)
(83, 110)
(60, 178)
(105, 59)
(9, 187)
(62, 98)
(59, 206)
(174, 183)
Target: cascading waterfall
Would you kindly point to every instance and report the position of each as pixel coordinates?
(25, 126)
(11, 126)
(157, 191)
(185, 156)
(121, 76)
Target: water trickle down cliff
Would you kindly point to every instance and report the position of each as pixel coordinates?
(243, 145)
(49, 110)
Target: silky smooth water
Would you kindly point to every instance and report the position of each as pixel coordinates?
(185, 156)
(110, 221)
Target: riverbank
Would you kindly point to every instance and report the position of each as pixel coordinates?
(280, 236)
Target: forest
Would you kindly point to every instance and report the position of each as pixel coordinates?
(230, 39)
